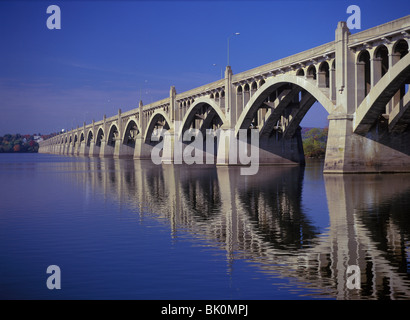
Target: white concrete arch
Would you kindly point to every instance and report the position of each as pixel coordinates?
(113, 124)
(130, 119)
(377, 49)
(191, 113)
(398, 42)
(375, 102)
(260, 95)
(90, 131)
(100, 131)
(152, 121)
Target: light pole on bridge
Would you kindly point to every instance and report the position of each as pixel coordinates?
(233, 34)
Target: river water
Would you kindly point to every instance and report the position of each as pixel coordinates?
(124, 229)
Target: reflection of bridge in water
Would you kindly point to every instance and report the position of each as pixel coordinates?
(261, 218)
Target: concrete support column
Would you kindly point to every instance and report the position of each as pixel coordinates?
(395, 101)
(321, 79)
(239, 102)
(143, 121)
(83, 148)
(105, 127)
(393, 59)
(121, 150)
(375, 71)
(338, 143)
(172, 104)
(229, 105)
(142, 150)
(94, 151)
(310, 77)
(246, 98)
(338, 153)
(348, 152)
(70, 150)
(360, 82)
(332, 83)
(106, 151)
(119, 123)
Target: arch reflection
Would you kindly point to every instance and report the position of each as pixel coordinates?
(263, 218)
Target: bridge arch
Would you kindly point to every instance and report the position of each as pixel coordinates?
(300, 72)
(311, 72)
(401, 48)
(158, 118)
(100, 137)
(324, 75)
(369, 110)
(363, 74)
(274, 83)
(382, 54)
(132, 129)
(90, 136)
(201, 104)
(112, 134)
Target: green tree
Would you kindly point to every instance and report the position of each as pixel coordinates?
(314, 142)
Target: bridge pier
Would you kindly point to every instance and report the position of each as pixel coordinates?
(123, 151)
(142, 150)
(84, 150)
(76, 149)
(282, 151)
(106, 151)
(378, 150)
(94, 150)
(70, 149)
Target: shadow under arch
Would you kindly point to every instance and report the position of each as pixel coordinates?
(158, 118)
(370, 108)
(90, 137)
(215, 111)
(286, 99)
(132, 129)
(100, 137)
(112, 135)
(274, 83)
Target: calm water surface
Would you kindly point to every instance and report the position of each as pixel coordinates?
(124, 229)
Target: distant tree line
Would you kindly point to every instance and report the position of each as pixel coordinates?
(314, 142)
(10, 143)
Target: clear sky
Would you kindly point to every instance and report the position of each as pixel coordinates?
(110, 54)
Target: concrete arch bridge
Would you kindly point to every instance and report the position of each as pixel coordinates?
(360, 79)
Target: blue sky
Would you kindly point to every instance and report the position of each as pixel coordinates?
(109, 54)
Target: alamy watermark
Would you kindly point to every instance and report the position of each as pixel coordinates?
(354, 20)
(54, 281)
(54, 21)
(353, 277)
